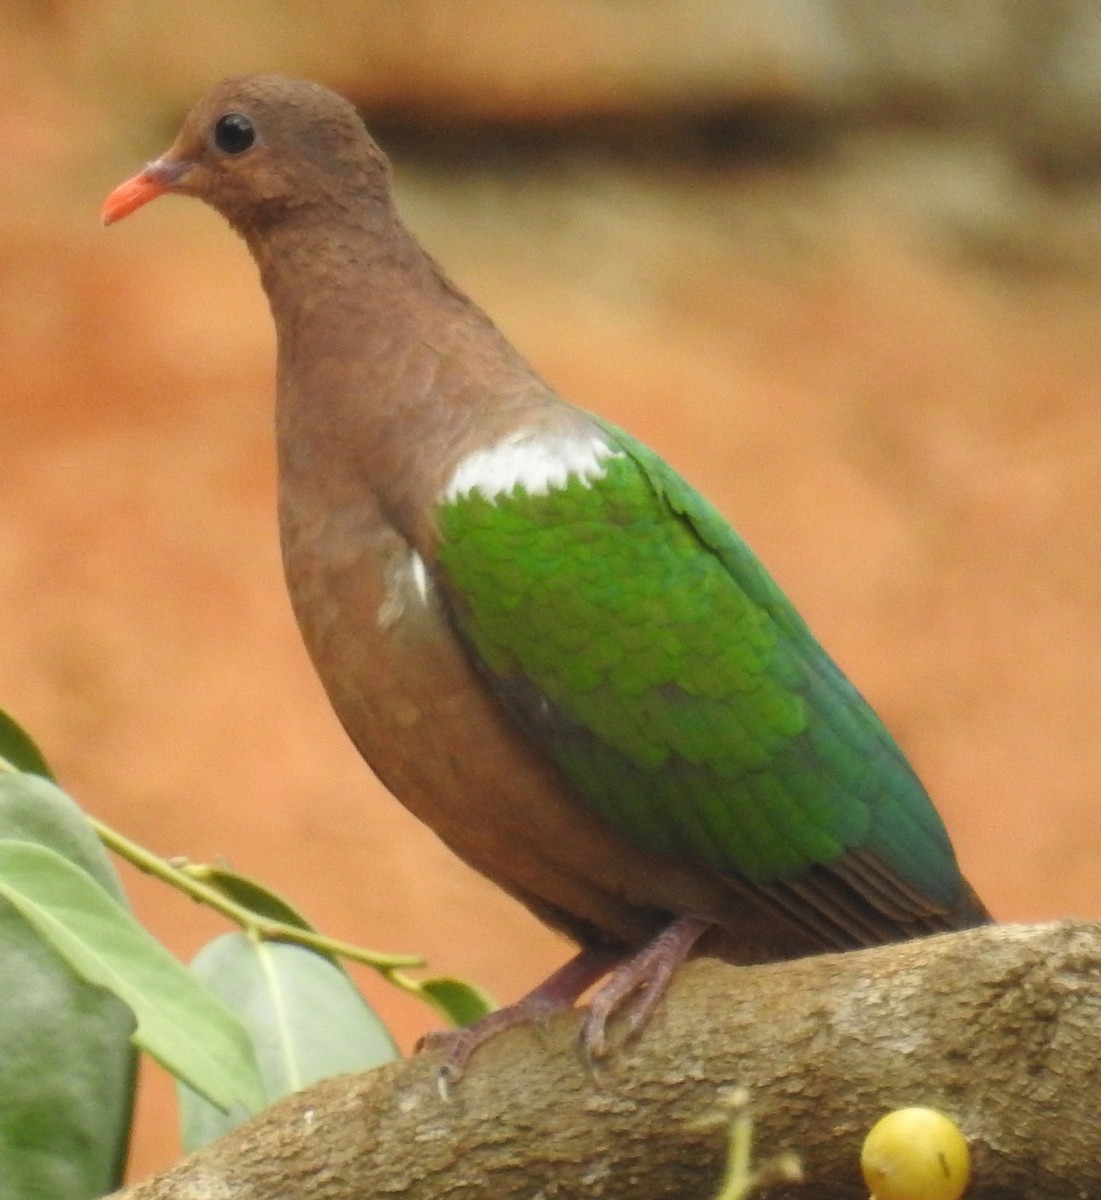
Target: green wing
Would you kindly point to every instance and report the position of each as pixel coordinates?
(636, 638)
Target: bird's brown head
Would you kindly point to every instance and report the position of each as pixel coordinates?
(262, 149)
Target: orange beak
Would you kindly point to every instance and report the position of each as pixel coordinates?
(151, 181)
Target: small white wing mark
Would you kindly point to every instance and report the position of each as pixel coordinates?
(419, 575)
(530, 459)
(406, 582)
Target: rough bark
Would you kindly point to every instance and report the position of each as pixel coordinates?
(999, 1027)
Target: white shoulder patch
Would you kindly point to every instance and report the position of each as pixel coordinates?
(532, 460)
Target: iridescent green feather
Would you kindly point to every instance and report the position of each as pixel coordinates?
(637, 639)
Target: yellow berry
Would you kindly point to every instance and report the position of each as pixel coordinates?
(915, 1154)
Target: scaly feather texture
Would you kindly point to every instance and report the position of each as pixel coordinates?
(639, 643)
(548, 645)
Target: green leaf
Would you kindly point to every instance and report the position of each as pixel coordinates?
(457, 1001)
(270, 909)
(33, 809)
(180, 1023)
(18, 749)
(305, 1017)
(251, 894)
(68, 1062)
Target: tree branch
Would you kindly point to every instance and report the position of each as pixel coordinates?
(999, 1027)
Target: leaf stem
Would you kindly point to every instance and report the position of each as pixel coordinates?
(183, 877)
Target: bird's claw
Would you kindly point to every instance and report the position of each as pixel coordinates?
(636, 987)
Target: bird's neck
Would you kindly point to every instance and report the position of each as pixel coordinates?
(387, 376)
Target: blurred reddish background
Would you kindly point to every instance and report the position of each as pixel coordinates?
(842, 267)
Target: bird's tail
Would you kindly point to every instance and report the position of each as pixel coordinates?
(969, 910)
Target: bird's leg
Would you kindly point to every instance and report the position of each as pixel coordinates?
(555, 994)
(639, 982)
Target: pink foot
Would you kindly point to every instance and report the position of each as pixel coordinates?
(639, 982)
(636, 983)
(556, 994)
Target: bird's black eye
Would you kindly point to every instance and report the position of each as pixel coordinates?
(234, 133)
